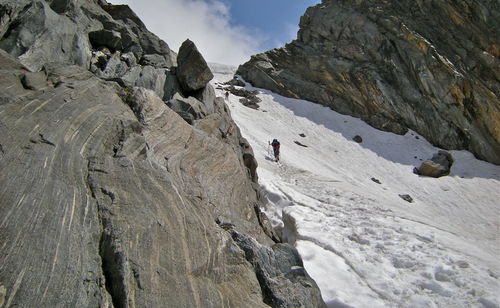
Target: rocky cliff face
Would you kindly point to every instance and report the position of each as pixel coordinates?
(431, 66)
(109, 197)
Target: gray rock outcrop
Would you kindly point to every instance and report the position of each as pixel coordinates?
(110, 198)
(430, 66)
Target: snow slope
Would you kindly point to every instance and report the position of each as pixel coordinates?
(362, 243)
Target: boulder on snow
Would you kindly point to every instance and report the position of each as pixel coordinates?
(193, 72)
(407, 198)
(439, 165)
(357, 138)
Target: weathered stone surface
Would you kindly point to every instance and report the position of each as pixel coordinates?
(28, 38)
(282, 276)
(155, 61)
(34, 81)
(111, 68)
(109, 198)
(439, 165)
(107, 38)
(171, 85)
(249, 158)
(40, 32)
(193, 72)
(108, 210)
(207, 97)
(429, 66)
(148, 42)
(61, 6)
(189, 108)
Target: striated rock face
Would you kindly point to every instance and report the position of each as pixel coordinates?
(109, 197)
(431, 66)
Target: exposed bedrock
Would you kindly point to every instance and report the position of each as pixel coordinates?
(109, 197)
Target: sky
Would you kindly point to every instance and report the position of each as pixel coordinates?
(360, 241)
(225, 31)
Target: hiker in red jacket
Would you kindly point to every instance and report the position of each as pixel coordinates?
(276, 149)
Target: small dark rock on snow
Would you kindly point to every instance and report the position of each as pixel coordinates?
(302, 145)
(358, 139)
(302, 135)
(407, 198)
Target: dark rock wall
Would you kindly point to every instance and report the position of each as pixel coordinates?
(431, 66)
(109, 197)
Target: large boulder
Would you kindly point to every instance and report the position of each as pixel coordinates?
(439, 165)
(192, 69)
(429, 66)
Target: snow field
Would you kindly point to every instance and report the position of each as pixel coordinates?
(361, 242)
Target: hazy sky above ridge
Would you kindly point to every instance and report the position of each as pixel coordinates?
(225, 31)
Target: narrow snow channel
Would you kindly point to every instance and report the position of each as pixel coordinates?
(338, 202)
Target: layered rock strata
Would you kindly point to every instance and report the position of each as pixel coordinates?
(109, 197)
(429, 66)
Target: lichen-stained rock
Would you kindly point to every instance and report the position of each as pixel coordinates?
(193, 72)
(430, 66)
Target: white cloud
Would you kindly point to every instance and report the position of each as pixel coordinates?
(205, 22)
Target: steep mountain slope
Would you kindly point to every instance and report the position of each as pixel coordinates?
(429, 66)
(125, 182)
(342, 203)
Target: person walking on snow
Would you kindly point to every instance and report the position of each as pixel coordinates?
(276, 149)
(227, 95)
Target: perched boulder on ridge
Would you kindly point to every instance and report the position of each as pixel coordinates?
(192, 71)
